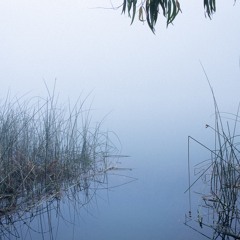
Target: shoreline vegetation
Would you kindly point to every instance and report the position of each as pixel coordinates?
(216, 181)
(47, 150)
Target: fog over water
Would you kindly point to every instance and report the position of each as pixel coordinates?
(150, 90)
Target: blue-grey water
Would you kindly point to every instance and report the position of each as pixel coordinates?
(152, 90)
(151, 207)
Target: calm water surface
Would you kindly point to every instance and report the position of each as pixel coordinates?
(152, 207)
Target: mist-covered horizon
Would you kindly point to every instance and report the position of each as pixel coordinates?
(151, 88)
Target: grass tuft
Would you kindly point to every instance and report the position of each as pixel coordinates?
(46, 149)
(217, 214)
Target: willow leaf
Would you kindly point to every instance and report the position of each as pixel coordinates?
(134, 2)
(163, 7)
(174, 12)
(148, 16)
(169, 11)
(207, 7)
(178, 6)
(124, 6)
(213, 5)
(129, 5)
(155, 11)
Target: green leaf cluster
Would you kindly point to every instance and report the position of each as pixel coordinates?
(149, 10)
(210, 7)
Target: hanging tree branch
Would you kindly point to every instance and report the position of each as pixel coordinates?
(149, 10)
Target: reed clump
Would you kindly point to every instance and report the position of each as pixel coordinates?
(45, 149)
(218, 210)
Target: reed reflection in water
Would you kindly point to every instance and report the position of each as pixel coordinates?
(49, 154)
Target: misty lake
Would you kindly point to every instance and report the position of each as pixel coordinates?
(151, 207)
(62, 178)
(144, 94)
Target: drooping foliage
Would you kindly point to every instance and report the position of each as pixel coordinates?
(149, 10)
